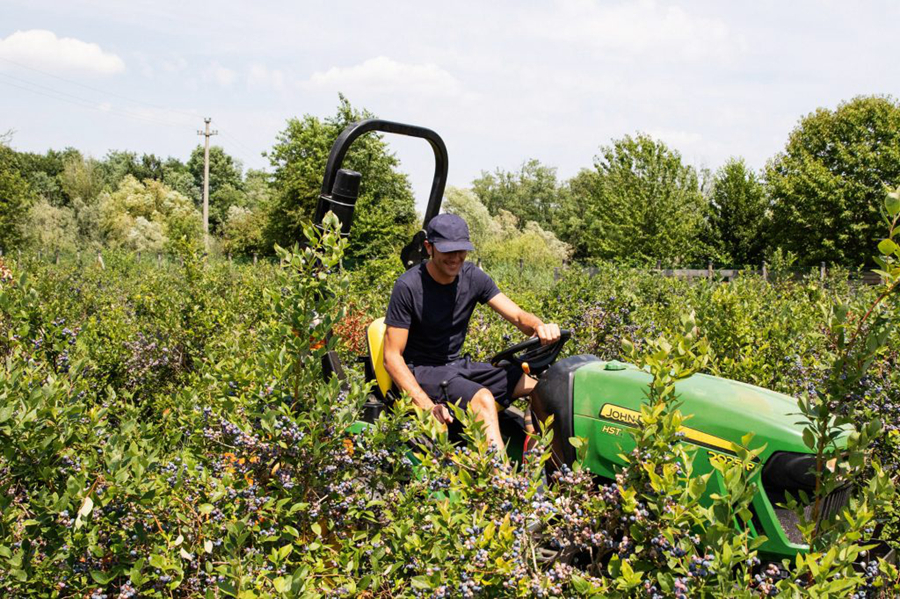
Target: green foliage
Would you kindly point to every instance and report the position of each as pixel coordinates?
(684, 547)
(641, 205)
(385, 213)
(224, 170)
(165, 430)
(540, 248)
(16, 198)
(51, 228)
(738, 214)
(226, 186)
(466, 204)
(579, 200)
(42, 171)
(81, 179)
(531, 194)
(826, 187)
(499, 239)
(118, 164)
(147, 216)
(243, 231)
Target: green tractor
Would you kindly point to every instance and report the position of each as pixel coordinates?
(600, 400)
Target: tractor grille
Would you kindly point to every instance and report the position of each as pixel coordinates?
(831, 505)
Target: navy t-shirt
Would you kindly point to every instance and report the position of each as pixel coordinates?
(437, 315)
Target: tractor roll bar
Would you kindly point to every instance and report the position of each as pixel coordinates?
(354, 130)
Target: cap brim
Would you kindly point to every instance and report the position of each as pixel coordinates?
(446, 247)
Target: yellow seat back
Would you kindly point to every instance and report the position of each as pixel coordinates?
(375, 337)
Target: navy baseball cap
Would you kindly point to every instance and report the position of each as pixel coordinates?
(448, 233)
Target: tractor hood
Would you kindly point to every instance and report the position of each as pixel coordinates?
(719, 411)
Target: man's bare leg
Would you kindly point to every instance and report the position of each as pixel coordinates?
(482, 404)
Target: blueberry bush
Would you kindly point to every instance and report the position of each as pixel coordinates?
(166, 431)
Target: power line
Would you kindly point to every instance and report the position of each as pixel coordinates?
(102, 91)
(63, 96)
(238, 142)
(83, 102)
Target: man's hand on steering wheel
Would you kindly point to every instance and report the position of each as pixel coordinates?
(547, 333)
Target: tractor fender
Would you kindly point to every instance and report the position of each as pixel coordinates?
(555, 393)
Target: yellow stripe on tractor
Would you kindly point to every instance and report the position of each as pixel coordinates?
(632, 418)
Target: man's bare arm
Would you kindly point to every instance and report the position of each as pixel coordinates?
(526, 322)
(395, 340)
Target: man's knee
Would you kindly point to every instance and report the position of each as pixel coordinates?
(482, 401)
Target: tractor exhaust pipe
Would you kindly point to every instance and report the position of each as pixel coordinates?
(341, 200)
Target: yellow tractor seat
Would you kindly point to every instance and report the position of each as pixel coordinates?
(375, 339)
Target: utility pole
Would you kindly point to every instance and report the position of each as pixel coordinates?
(206, 134)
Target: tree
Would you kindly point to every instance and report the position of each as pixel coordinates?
(499, 238)
(16, 199)
(147, 216)
(81, 178)
(738, 213)
(465, 204)
(243, 231)
(223, 168)
(118, 164)
(258, 186)
(52, 227)
(578, 198)
(177, 176)
(642, 204)
(827, 185)
(226, 186)
(385, 212)
(42, 171)
(532, 193)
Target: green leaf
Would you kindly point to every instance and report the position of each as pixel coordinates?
(103, 578)
(581, 585)
(421, 582)
(282, 584)
(809, 439)
(316, 528)
(285, 551)
(892, 203)
(887, 247)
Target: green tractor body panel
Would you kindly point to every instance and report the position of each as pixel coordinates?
(607, 399)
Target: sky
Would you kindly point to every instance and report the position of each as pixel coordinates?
(502, 82)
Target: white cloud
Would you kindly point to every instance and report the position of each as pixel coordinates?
(382, 74)
(219, 74)
(41, 49)
(634, 28)
(261, 76)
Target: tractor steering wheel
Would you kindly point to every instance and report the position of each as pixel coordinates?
(533, 357)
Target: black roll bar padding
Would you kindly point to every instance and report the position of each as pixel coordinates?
(354, 130)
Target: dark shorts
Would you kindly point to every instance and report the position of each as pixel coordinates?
(465, 378)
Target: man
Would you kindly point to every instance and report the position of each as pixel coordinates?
(427, 320)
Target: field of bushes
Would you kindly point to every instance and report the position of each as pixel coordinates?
(165, 432)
